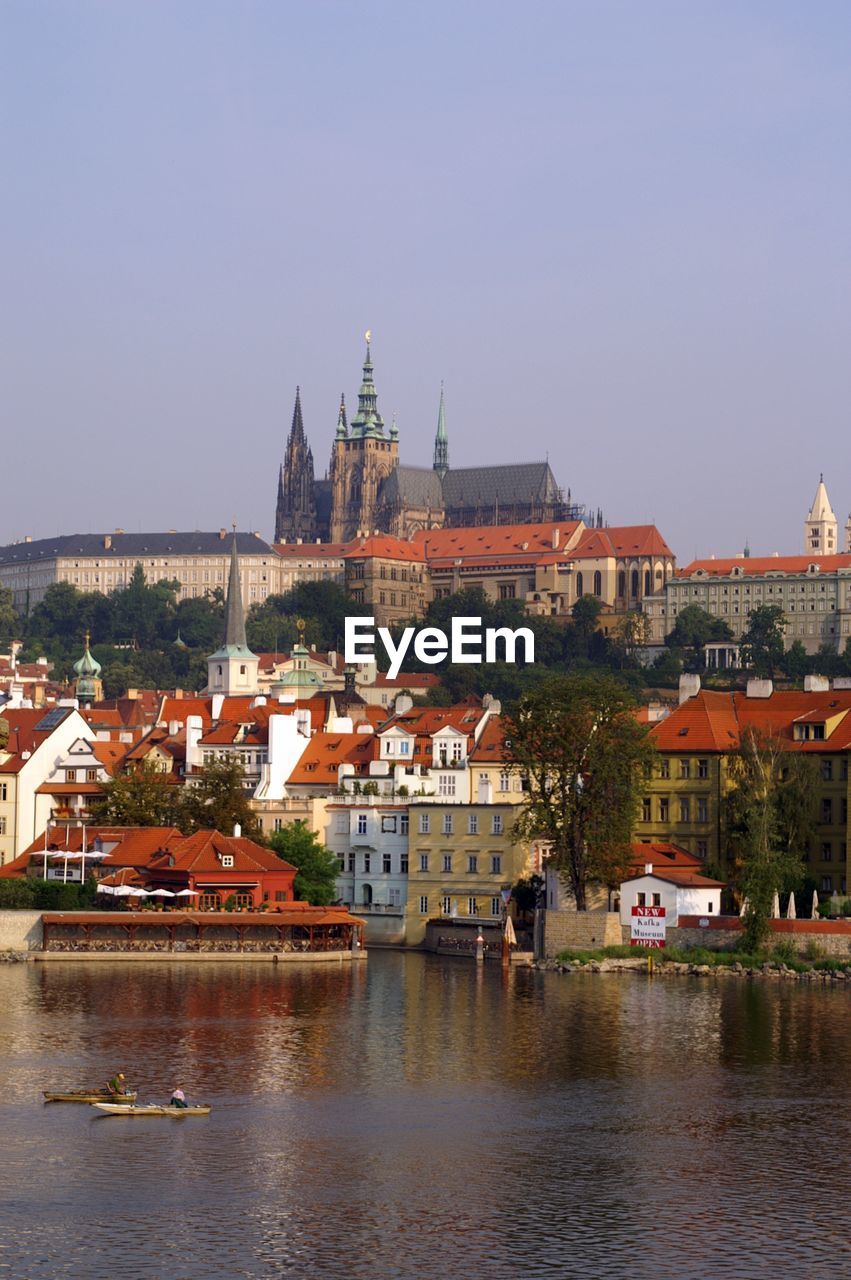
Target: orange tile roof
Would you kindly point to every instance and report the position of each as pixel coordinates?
(491, 748)
(664, 856)
(688, 879)
(521, 542)
(751, 566)
(622, 540)
(713, 722)
(202, 852)
(423, 722)
(325, 752)
(179, 708)
(386, 548)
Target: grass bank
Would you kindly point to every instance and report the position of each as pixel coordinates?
(813, 960)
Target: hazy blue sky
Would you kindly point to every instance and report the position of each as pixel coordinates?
(619, 232)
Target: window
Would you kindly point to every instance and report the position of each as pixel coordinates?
(404, 747)
(598, 583)
(388, 823)
(423, 905)
(91, 775)
(341, 824)
(472, 907)
(424, 823)
(496, 824)
(227, 859)
(70, 775)
(507, 591)
(2, 826)
(423, 862)
(446, 905)
(496, 906)
(827, 884)
(641, 900)
(826, 851)
(361, 824)
(702, 809)
(367, 862)
(352, 863)
(657, 900)
(472, 824)
(827, 770)
(446, 785)
(664, 811)
(645, 810)
(827, 810)
(447, 824)
(209, 902)
(342, 862)
(386, 864)
(403, 864)
(579, 586)
(685, 768)
(403, 824)
(496, 864)
(702, 848)
(281, 895)
(664, 768)
(447, 862)
(685, 810)
(472, 864)
(2, 790)
(504, 780)
(703, 768)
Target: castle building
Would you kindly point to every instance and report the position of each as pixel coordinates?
(369, 490)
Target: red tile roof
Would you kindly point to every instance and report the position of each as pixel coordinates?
(386, 548)
(505, 543)
(203, 851)
(750, 566)
(621, 541)
(325, 752)
(491, 748)
(713, 722)
(663, 856)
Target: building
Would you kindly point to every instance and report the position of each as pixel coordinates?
(33, 752)
(686, 893)
(301, 561)
(368, 489)
(684, 801)
(198, 562)
(389, 576)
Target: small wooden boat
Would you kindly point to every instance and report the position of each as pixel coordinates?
(87, 1095)
(150, 1109)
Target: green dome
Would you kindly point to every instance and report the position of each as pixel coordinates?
(87, 666)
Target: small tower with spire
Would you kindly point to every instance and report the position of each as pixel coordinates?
(295, 513)
(88, 686)
(441, 441)
(232, 669)
(362, 458)
(820, 526)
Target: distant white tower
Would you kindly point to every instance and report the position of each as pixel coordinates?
(820, 526)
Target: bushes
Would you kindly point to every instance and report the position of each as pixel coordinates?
(46, 895)
(17, 895)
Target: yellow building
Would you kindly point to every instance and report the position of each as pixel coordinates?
(461, 858)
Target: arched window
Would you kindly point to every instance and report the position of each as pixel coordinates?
(633, 584)
(598, 583)
(579, 591)
(647, 582)
(621, 583)
(367, 894)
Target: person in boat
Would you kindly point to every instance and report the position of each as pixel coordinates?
(178, 1098)
(116, 1084)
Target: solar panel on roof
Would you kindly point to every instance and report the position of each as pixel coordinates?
(52, 719)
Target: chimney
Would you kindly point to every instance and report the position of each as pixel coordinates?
(816, 684)
(403, 703)
(648, 868)
(223, 533)
(556, 536)
(173, 728)
(760, 688)
(689, 686)
(107, 542)
(237, 831)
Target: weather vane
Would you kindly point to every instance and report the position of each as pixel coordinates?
(300, 625)
(368, 336)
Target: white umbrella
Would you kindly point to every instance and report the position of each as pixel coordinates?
(743, 908)
(161, 893)
(105, 888)
(814, 913)
(122, 891)
(775, 907)
(138, 893)
(510, 935)
(187, 893)
(791, 912)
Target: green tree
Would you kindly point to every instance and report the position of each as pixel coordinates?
(583, 754)
(144, 797)
(796, 661)
(9, 622)
(200, 620)
(771, 812)
(762, 643)
(318, 867)
(693, 631)
(219, 801)
(586, 613)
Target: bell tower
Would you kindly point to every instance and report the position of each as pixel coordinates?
(362, 458)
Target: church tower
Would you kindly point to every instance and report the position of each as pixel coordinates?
(295, 513)
(232, 669)
(441, 441)
(363, 456)
(88, 686)
(820, 526)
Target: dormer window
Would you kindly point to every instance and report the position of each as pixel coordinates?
(227, 859)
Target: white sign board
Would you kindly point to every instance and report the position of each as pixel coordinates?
(647, 927)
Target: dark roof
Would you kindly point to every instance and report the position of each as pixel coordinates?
(133, 545)
(513, 483)
(415, 487)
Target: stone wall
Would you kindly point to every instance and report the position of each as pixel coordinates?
(20, 931)
(581, 930)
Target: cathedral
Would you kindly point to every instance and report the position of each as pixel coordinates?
(367, 488)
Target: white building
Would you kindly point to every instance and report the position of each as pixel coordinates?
(685, 893)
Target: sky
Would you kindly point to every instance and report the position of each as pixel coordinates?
(618, 233)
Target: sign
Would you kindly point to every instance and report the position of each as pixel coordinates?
(648, 927)
(506, 895)
(703, 923)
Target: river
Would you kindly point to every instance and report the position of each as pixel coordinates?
(415, 1118)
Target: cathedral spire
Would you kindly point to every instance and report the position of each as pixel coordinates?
(297, 431)
(295, 512)
(441, 440)
(232, 668)
(234, 613)
(342, 426)
(367, 421)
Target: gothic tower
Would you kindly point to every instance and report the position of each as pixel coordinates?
(820, 526)
(295, 513)
(441, 441)
(362, 458)
(232, 669)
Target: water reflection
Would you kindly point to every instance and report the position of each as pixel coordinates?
(417, 1118)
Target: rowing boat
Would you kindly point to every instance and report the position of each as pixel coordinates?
(86, 1095)
(150, 1109)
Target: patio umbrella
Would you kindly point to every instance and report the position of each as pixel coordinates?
(105, 888)
(138, 893)
(743, 908)
(161, 893)
(510, 935)
(122, 891)
(791, 911)
(775, 907)
(814, 913)
(188, 893)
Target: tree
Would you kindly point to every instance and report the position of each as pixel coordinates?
(771, 821)
(762, 643)
(694, 630)
(631, 632)
(144, 797)
(8, 617)
(578, 744)
(318, 867)
(585, 614)
(796, 661)
(219, 801)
